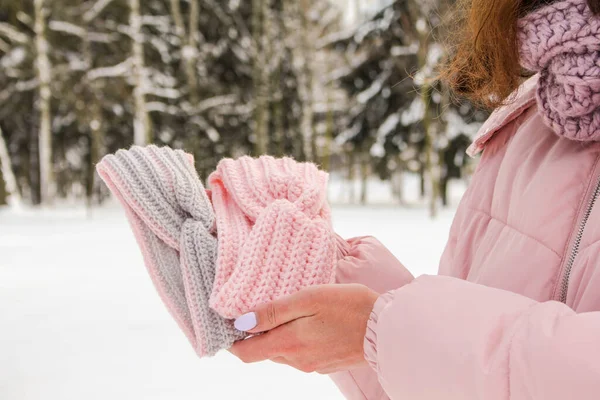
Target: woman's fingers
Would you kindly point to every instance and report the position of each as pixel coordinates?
(267, 346)
(277, 313)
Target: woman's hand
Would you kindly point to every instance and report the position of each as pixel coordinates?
(321, 328)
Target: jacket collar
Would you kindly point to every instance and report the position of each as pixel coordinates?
(523, 98)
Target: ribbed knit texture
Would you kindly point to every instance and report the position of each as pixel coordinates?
(561, 41)
(173, 222)
(274, 231)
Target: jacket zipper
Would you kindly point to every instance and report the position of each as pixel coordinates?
(577, 243)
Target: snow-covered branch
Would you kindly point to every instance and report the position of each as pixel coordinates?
(81, 32)
(25, 19)
(367, 94)
(210, 131)
(414, 113)
(10, 32)
(348, 134)
(235, 109)
(213, 102)
(96, 9)
(385, 129)
(166, 93)
(68, 28)
(160, 22)
(114, 71)
(6, 93)
(14, 58)
(4, 47)
(157, 106)
(99, 37)
(398, 51)
(25, 86)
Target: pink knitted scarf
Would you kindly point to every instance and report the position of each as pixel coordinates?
(561, 41)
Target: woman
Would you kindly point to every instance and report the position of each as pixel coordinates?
(514, 311)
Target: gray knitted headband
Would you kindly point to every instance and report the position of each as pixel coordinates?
(173, 222)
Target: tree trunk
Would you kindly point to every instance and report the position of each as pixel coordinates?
(10, 182)
(329, 126)
(398, 184)
(304, 58)
(430, 167)
(188, 38)
(278, 42)
(260, 76)
(364, 172)
(141, 123)
(442, 169)
(422, 180)
(191, 52)
(430, 161)
(293, 133)
(96, 125)
(44, 76)
(444, 190)
(328, 142)
(357, 11)
(33, 166)
(351, 176)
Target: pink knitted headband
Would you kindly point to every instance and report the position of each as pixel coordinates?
(561, 41)
(274, 231)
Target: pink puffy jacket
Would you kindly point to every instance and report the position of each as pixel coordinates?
(514, 312)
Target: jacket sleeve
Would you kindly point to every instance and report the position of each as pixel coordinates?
(442, 337)
(366, 261)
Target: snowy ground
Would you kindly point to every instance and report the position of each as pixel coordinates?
(79, 318)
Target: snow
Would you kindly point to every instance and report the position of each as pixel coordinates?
(81, 320)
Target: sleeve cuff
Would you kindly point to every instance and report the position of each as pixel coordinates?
(370, 343)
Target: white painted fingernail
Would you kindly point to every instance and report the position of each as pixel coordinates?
(245, 322)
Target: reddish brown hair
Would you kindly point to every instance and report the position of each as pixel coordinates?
(485, 62)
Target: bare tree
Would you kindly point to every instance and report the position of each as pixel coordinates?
(304, 56)
(96, 122)
(189, 39)
(141, 123)
(10, 181)
(261, 74)
(44, 75)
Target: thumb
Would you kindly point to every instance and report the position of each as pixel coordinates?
(278, 312)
